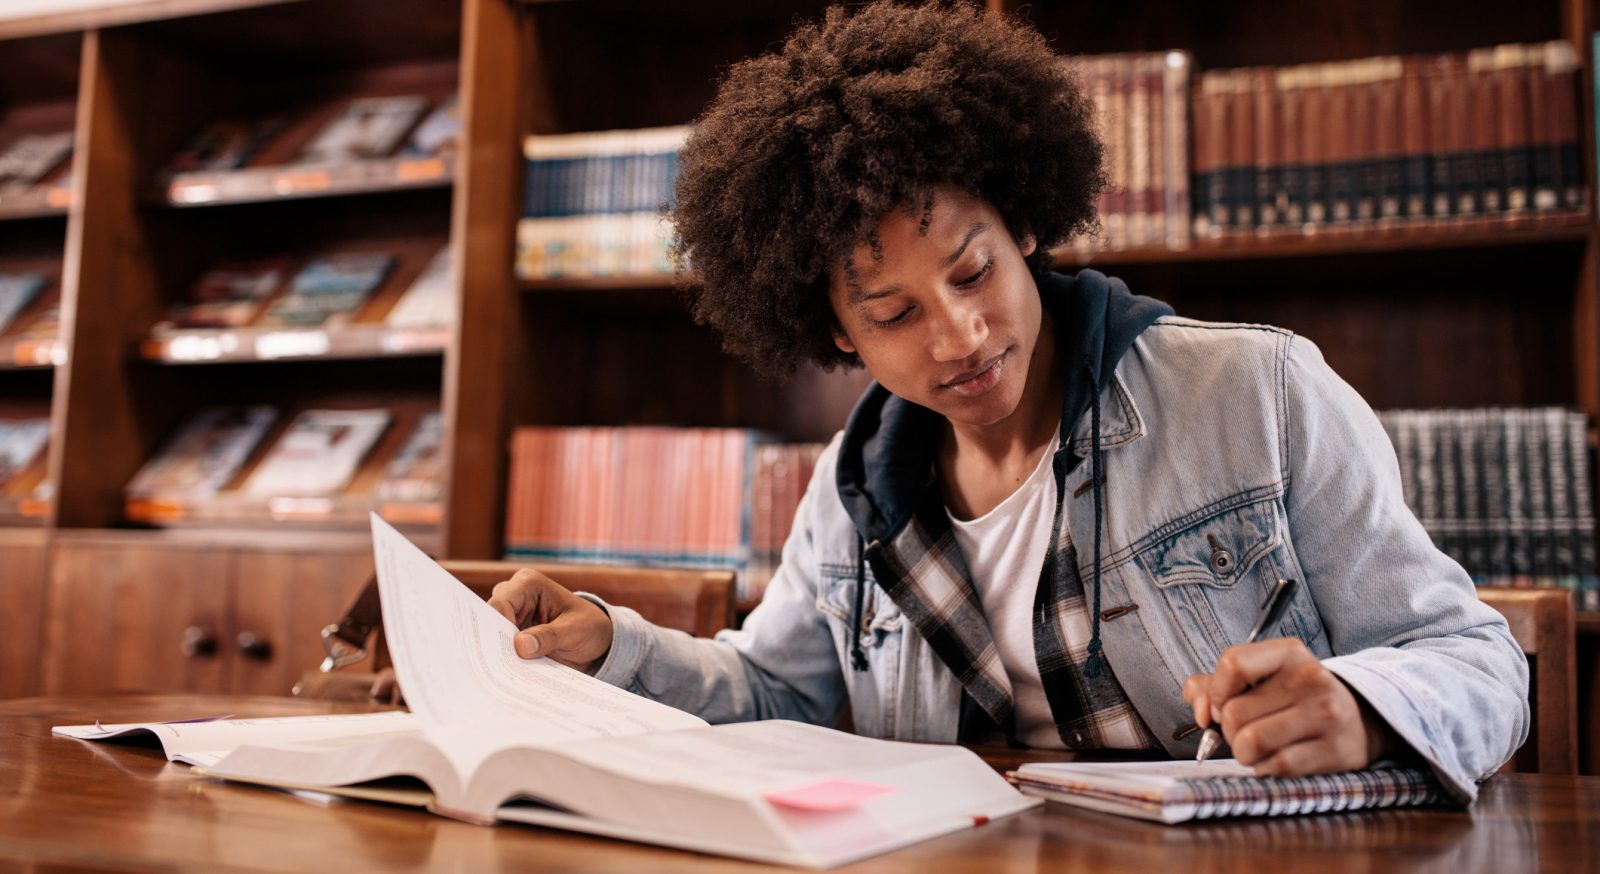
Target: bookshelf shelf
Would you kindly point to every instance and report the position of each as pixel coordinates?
(43, 202)
(272, 184)
(31, 354)
(1572, 228)
(277, 344)
(648, 282)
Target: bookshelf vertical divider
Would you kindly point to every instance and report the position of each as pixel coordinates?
(483, 220)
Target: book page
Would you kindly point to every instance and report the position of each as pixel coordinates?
(453, 656)
(206, 741)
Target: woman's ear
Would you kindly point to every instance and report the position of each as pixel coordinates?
(842, 340)
(1026, 244)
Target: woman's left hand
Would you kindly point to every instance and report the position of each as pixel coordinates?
(1286, 714)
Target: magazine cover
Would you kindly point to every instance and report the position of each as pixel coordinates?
(204, 455)
(29, 159)
(430, 301)
(436, 136)
(416, 475)
(229, 296)
(17, 290)
(369, 127)
(330, 288)
(319, 453)
(226, 145)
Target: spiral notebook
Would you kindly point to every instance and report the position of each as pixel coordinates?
(1173, 792)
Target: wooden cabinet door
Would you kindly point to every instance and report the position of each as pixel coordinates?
(22, 556)
(132, 616)
(281, 602)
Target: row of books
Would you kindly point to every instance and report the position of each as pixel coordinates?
(366, 128)
(19, 291)
(593, 203)
(782, 472)
(1388, 141)
(1504, 491)
(325, 291)
(1141, 112)
(30, 159)
(315, 456)
(687, 497)
(23, 444)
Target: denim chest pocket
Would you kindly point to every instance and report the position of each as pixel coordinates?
(1219, 552)
(1216, 573)
(836, 597)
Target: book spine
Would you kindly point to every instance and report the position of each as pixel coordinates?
(1316, 144)
(1483, 100)
(1210, 208)
(1465, 158)
(1388, 153)
(1291, 124)
(1341, 154)
(1266, 153)
(1561, 88)
(1139, 158)
(1416, 144)
(1442, 142)
(1512, 131)
(1175, 146)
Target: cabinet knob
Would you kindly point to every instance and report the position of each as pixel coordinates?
(198, 641)
(254, 646)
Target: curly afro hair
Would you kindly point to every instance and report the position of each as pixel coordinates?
(802, 151)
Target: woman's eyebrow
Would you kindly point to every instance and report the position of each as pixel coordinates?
(972, 232)
(859, 296)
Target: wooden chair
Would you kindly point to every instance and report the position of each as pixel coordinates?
(697, 601)
(1544, 624)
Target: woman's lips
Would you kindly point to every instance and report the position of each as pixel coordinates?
(982, 381)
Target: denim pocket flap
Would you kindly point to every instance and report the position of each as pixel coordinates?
(1218, 551)
(837, 598)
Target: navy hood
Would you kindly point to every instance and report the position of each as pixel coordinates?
(887, 454)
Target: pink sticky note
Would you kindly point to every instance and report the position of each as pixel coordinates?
(828, 796)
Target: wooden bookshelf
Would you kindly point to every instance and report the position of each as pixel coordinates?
(1486, 314)
(265, 184)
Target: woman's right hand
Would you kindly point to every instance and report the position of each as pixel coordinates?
(553, 621)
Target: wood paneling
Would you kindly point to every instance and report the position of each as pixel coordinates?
(282, 600)
(120, 614)
(22, 606)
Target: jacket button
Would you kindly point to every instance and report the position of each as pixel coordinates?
(1221, 559)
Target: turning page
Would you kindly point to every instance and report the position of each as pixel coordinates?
(454, 658)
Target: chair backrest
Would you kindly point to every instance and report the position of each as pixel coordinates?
(700, 602)
(1543, 623)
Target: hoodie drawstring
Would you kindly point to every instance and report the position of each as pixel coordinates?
(1096, 666)
(858, 658)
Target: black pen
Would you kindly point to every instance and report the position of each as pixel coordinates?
(1271, 615)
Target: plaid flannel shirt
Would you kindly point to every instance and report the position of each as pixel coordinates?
(923, 571)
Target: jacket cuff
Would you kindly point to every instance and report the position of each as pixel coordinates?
(629, 639)
(1389, 697)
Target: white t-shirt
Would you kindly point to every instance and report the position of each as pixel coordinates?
(1005, 550)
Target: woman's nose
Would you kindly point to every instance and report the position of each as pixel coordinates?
(959, 330)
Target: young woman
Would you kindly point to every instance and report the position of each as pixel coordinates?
(1054, 516)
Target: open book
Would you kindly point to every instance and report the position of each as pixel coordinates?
(1178, 791)
(496, 737)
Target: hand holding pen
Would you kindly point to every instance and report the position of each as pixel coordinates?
(1271, 614)
(1282, 711)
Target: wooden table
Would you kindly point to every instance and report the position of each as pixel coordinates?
(67, 804)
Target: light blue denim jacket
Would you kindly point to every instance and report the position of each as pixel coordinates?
(1238, 434)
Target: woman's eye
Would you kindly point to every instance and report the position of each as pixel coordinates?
(892, 320)
(975, 278)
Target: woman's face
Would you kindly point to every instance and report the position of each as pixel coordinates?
(946, 318)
